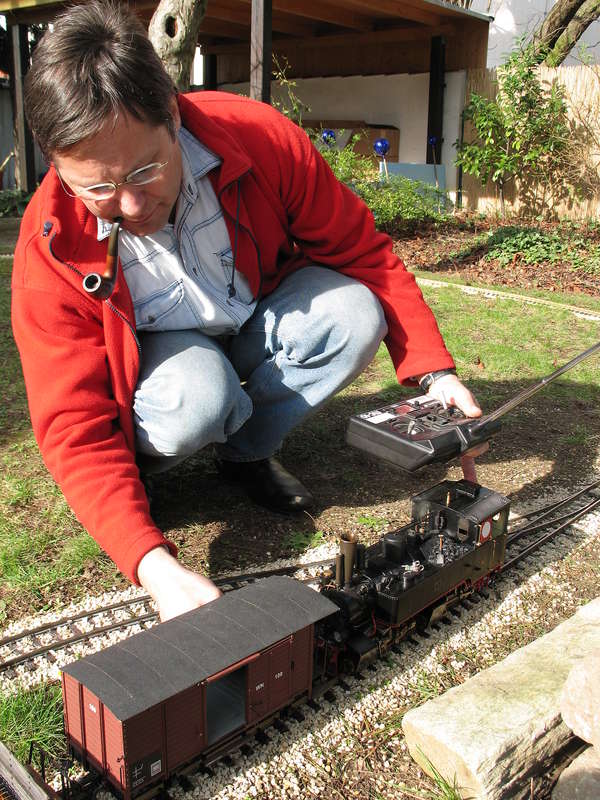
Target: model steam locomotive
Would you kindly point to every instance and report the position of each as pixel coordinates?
(192, 688)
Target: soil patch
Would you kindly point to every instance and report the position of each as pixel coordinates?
(565, 255)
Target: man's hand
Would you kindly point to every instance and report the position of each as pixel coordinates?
(174, 588)
(449, 390)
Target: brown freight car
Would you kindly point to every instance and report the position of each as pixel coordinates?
(141, 709)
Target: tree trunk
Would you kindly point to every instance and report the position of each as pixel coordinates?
(554, 23)
(173, 31)
(585, 14)
(562, 27)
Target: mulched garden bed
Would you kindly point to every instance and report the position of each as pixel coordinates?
(461, 248)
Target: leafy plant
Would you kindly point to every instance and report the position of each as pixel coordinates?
(290, 105)
(535, 246)
(346, 164)
(299, 541)
(400, 204)
(524, 132)
(374, 523)
(13, 202)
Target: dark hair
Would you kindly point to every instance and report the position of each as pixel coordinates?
(95, 63)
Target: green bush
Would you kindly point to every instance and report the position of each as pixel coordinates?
(524, 133)
(397, 203)
(13, 202)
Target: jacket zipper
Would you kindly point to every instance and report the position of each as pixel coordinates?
(74, 269)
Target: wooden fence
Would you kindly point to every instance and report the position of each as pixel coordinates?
(582, 92)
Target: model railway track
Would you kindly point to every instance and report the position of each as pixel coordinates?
(25, 647)
(548, 522)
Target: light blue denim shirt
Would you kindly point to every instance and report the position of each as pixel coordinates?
(179, 276)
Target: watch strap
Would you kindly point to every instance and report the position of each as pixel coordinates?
(427, 380)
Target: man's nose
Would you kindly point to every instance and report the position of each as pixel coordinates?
(131, 200)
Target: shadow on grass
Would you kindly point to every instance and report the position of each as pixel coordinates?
(550, 443)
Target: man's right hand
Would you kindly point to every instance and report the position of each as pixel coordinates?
(174, 588)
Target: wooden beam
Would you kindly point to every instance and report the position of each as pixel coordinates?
(324, 12)
(261, 55)
(240, 13)
(390, 36)
(210, 72)
(397, 9)
(223, 29)
(25, 158)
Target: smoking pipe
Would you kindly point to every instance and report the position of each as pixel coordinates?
(102, 286)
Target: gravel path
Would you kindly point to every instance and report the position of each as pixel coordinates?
(354, 748)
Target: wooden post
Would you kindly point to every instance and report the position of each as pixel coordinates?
(210, 72)
(24, 154)
(261, 50)
(437, 84)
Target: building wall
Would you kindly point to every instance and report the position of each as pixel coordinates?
(400, 101)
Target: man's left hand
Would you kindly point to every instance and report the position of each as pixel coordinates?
(449, 390)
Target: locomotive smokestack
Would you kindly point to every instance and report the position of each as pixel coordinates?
(339, 570)
(348, 550)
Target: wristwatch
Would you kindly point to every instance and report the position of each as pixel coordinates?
(427, 380)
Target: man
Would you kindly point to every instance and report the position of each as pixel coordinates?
(252, 287)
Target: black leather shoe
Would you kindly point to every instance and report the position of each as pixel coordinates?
(268, 483)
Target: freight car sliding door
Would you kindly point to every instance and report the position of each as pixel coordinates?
(225, 703)
(269, 681)
(184, 715)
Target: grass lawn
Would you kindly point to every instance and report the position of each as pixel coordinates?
(500, 346)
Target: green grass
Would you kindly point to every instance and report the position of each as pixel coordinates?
(36, 717)
(568, 300)
(500, 346)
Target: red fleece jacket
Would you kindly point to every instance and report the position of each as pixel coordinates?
(81, 356)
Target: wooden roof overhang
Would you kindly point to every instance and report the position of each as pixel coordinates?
(317, 38)
(320, 37)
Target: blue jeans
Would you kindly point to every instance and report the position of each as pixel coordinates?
(305, 341)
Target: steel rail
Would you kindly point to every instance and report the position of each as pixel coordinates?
(64, 643)
(543, 539)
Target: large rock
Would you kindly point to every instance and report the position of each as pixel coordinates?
(580, 700)
(581, 779)
(491, 732)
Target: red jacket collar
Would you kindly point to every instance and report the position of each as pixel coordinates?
(235, 161)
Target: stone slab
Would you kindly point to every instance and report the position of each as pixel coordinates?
(580, 700)
(491, 731)
(581, 779)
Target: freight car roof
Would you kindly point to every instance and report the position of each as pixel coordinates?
(146, 669)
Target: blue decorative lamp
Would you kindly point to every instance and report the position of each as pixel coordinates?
(381, 148)
(328, 136)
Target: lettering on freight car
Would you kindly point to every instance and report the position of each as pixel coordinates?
(155, 768)
(92, 708)
(259, 686)
(278, 675)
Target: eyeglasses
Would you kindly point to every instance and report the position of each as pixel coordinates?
(104, 191)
